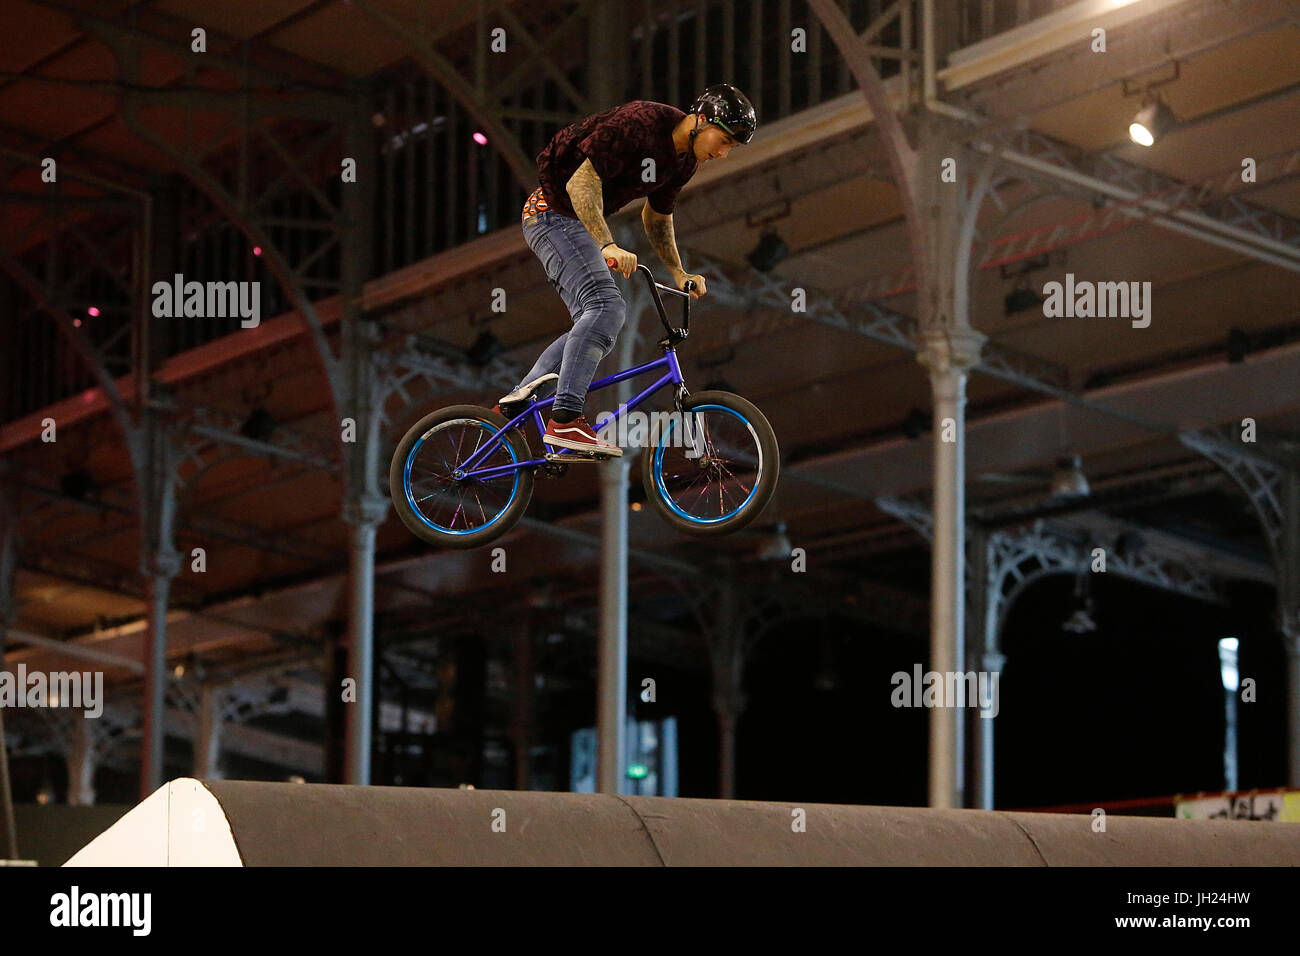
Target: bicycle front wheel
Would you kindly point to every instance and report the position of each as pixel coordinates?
(714, 469)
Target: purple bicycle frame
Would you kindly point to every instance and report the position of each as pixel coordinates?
(671, 377)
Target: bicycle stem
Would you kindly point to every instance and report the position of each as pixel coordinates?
(659, 303)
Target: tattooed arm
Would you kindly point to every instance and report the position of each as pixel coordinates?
(585, 195)
(659, 230)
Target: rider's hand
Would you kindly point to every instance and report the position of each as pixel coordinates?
(683, 277)
(624, 261)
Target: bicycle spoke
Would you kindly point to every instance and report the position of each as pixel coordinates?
(729, 446)
(435, 493)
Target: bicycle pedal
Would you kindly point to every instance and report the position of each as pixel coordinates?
(575, 456)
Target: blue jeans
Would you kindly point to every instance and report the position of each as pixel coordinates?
(577, 270)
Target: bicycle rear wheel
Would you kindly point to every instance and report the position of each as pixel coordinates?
(467, 512)
(713, 471)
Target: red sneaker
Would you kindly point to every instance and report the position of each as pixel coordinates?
(579, 436)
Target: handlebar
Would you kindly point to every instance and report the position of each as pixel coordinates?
(655, 288)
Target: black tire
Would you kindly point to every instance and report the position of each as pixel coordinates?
(474, 539)
(767, 480)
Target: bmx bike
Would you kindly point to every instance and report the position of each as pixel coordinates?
(463, 476)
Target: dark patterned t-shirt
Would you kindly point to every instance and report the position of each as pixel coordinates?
(618, 142)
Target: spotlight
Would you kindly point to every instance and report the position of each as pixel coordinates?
(1153, 120)
(1080, 622)
(916, 423)
(480, 138)
(768, 253)
(1069, 480)
(1021, 300)
(257, 250)
(259, 425)
(1228, 664)
(93, 312)
(485, 348)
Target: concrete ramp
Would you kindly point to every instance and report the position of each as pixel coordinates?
(244, 823)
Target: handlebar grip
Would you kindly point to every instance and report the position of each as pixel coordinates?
(611, 262)
(689, 286)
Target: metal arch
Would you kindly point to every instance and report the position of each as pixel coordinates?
(904, 159)
(105, 733)
(256, 234)
(968, 219)
(117, 406)
(244, 700)
(1260, 477)
(338, 111)
(1012, 555)
(79, 340)
(911, 512)
(398, 368)
(1055, 552)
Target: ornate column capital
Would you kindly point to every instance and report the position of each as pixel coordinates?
(365, 510)
(947, 351)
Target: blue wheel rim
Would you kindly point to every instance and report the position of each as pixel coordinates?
(658, 470)
(410, 497)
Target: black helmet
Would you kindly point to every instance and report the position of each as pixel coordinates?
(728, 109)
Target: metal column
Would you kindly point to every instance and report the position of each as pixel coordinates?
(159, 563)
(207, 735)
(81, 762)
(1288, 597)
(158, 587)
(949, 348)
(939, 218)
(521, 718)
(1291, 643)
(727, 653)
(982, 627)
(363, 518)
(364, 506)
(611, 691)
